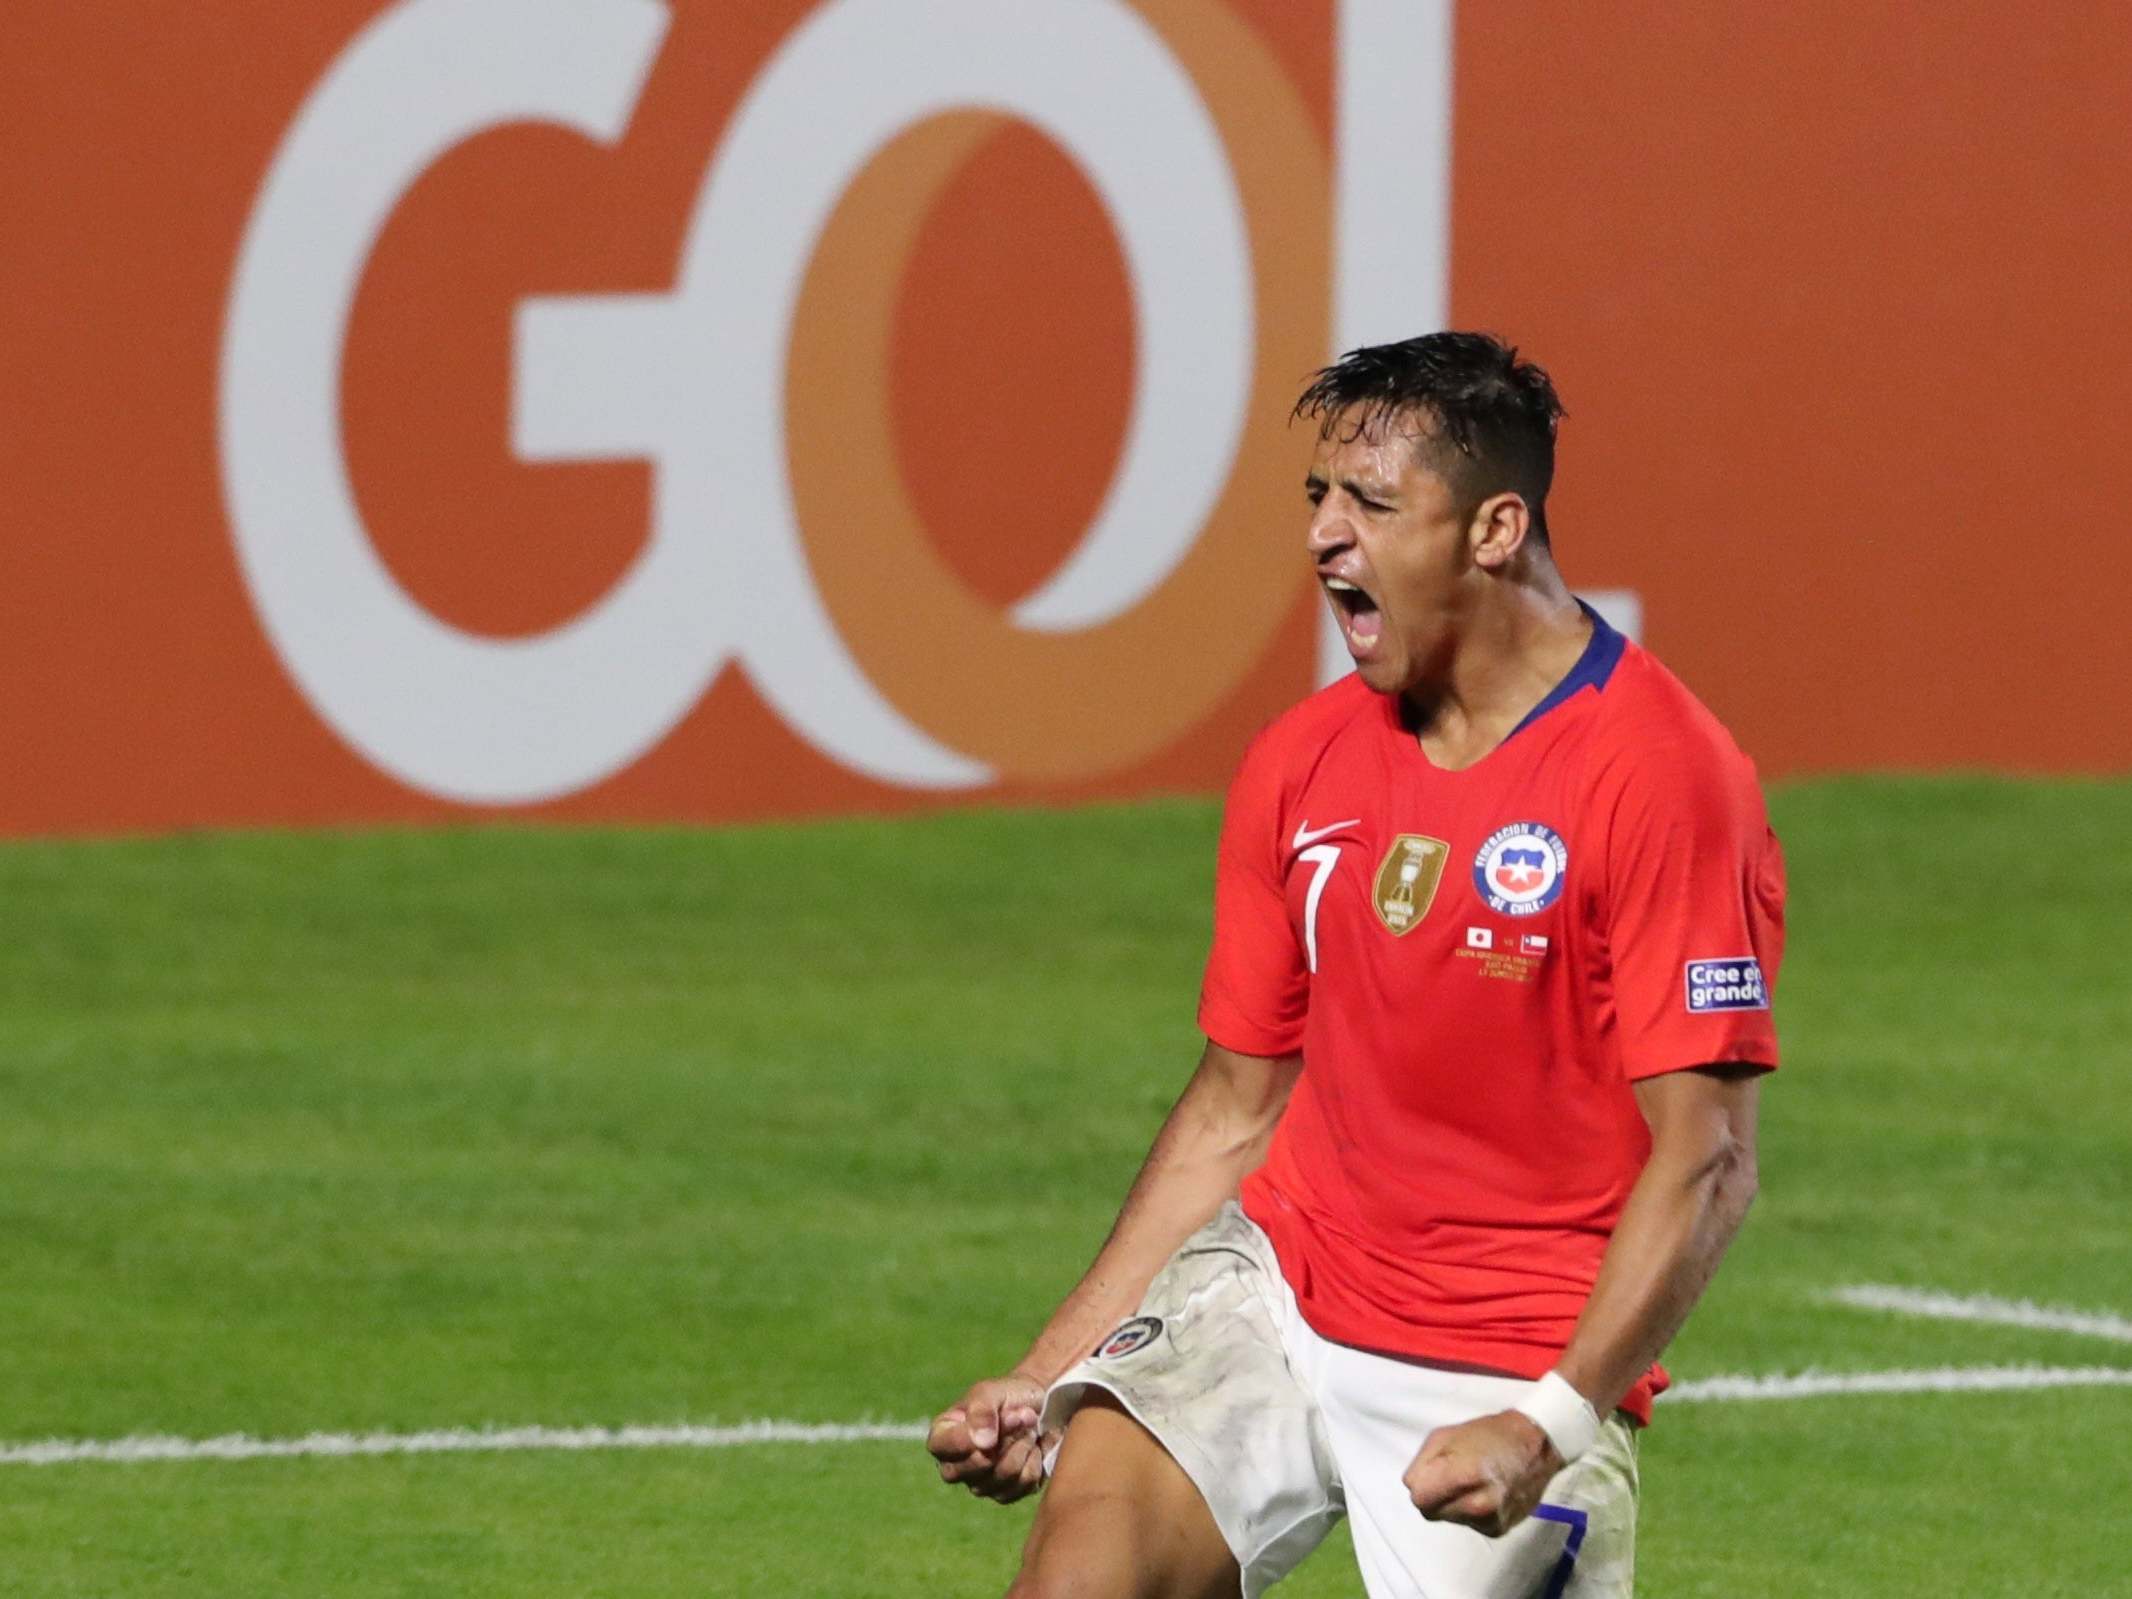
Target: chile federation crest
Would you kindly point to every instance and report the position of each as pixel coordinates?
(1519, 871)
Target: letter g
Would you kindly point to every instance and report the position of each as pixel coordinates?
(480, 720)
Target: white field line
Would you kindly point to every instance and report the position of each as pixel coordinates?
(454, 1440)
(1935, 1380)
(1984, 1308)
(470, 1440)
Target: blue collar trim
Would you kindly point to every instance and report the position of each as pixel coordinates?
(1602, 653)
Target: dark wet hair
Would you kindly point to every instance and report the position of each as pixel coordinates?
(1482, 419)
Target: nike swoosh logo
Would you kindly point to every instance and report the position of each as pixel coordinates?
(1304, 832)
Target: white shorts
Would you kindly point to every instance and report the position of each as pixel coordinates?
(1284, 1433)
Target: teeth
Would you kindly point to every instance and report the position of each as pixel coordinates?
(1340, 585)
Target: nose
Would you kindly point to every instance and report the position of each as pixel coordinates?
(1330, 530)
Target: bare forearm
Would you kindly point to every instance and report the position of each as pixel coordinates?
(1680, 1218)
(1215, 1134)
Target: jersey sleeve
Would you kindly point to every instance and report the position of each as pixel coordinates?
(1257, 988)
(1695, 913)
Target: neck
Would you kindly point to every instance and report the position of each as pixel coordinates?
(1518, 639)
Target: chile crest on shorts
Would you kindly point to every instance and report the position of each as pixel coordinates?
(1130, 1336)
(1519, 870)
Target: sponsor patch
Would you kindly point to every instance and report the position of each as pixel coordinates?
(1732, 983)
(1519, 871)
(1132, 1335)
(1407, 879)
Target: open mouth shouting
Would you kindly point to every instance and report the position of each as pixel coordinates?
(1355, 608)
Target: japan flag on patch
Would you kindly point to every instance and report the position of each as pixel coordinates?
(1479, 938)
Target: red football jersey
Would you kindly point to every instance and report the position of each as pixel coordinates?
(1476, 965)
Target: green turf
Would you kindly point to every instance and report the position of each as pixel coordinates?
(408, 1131)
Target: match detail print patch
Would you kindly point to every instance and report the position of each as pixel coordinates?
(1734, 983)
(1407, 879)
(1519, 871)
(1132, 1335)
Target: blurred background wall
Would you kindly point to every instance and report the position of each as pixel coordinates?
(602, 409)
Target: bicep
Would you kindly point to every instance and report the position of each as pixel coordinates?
(1693, 920)
(1253, 1089)
(1703, 1113)
(1256, 991)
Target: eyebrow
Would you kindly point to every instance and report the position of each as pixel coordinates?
(1361, 487)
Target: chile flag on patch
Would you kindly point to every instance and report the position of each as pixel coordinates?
(1520, 871)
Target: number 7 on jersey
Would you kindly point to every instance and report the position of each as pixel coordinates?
(1326, 856)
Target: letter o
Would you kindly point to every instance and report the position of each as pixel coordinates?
(1094, 671)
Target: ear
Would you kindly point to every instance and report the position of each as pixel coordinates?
(1497, 531)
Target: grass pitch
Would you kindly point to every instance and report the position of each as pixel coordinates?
(412, 1131)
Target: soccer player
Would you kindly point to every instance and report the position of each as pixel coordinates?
(1495, 923)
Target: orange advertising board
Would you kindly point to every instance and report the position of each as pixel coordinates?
(613, 409)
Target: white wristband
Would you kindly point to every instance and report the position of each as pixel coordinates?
(1565, 1415)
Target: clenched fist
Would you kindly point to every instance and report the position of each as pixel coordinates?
(1486, 1473)
(988, 1439)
